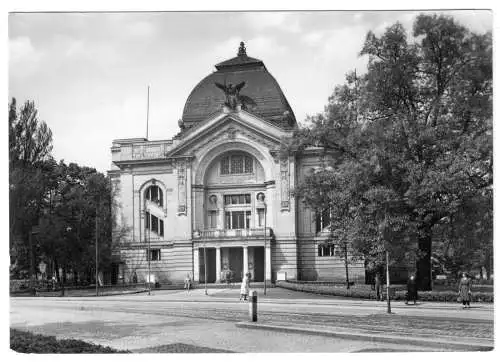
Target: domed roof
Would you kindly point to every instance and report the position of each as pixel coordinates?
(269, 102)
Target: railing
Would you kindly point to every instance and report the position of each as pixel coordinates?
(231, 233)
(141, 150)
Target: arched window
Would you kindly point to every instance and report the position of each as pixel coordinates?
(154, 194)
(236, 164)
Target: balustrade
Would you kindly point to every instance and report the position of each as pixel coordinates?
(230, 233)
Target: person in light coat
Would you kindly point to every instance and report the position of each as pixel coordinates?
(464, 290)
(245, 286)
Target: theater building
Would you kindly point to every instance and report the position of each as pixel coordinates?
(216, 196)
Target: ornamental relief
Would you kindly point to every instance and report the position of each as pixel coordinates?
(285, 184)
(232, 133)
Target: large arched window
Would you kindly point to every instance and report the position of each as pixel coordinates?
(236, 164)
(154, 194)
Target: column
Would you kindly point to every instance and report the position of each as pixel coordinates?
(245, 260)
(196, 266)
(217, 265)
(268, 263)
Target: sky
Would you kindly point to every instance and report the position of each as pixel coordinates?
(88, 73)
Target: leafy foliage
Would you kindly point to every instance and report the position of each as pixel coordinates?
(409, 143)
(64, 201)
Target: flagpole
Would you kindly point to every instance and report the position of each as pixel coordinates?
(147, 117)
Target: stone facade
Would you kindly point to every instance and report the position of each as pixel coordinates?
(220, 192)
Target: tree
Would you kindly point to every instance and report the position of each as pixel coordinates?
(30, 144)
(417, 128)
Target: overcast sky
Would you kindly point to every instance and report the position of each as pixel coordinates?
(88, 72)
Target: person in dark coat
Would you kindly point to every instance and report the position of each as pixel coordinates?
(464, 290)
(378, 286)
(411, 290)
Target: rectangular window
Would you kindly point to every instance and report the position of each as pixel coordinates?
(326, 250)
(228, 220)
(155, 254)
(224, 166)
(154, 224)
(261, 216)
(237, 220)
(323, 220)
(212, 219)
(161, 227)
(147, 220)
(248, 215)
(241, 199)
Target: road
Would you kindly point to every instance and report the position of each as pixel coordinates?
(140, 321)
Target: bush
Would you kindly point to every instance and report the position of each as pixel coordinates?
(27, 342)
(365, 292)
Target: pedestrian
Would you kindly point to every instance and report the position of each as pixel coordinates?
(245, 286)
(464, 290)
(411, 293)
(378, 286)
(229, 276)
(187, 282)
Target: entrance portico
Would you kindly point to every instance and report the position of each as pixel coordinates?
(237, 259)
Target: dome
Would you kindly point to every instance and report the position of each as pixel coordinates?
(267, 101)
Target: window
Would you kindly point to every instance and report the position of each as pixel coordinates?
(154, 224)
(236, 164)
(261, 216)
(238, 219)
(212, 219)
(323, 220)
(224, 166)
(154, 194)
(326, 250)
(155, 254)
(242, 199)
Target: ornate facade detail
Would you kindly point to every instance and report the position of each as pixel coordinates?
(285, 184)
(181, 166)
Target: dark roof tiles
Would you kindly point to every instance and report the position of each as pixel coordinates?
(260, 86)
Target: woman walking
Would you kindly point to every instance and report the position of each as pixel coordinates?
(245, 286)
(464, 292)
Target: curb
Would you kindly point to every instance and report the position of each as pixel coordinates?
(423, 342)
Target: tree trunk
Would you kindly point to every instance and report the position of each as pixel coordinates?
(346, 263)
(424, 264)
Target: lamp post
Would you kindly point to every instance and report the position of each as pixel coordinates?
(265, 247)
(388, 281)
(96, 248)
(205, 262)
(149, 252)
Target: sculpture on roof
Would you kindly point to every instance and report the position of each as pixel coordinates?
(233, 97)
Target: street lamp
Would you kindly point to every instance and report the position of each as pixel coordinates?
(265, 246)
(96, 247)
(205, 262)
(388, 281)
(149, 253)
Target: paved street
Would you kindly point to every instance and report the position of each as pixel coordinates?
(140, 321)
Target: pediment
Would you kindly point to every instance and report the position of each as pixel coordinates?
(229, 126)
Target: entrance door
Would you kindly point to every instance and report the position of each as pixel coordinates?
(258, 264)
(211, 267)
(236, 263)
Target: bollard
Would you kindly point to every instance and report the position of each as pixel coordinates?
(252, 304)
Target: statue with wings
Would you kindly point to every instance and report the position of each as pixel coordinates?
(233, 97)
